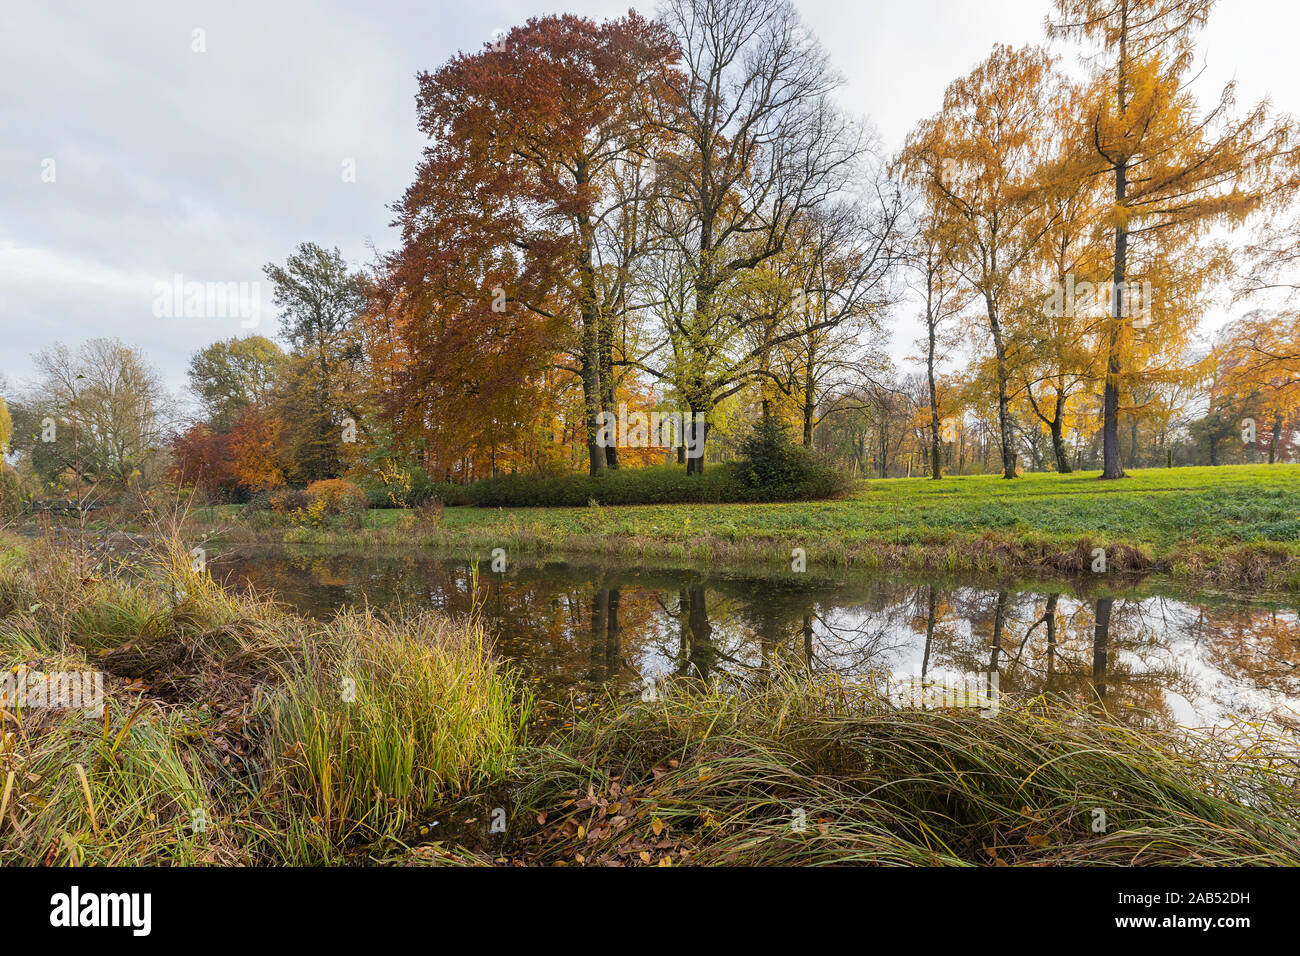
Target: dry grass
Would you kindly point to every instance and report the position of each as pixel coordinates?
(803, 773)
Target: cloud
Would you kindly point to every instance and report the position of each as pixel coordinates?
(211, 164)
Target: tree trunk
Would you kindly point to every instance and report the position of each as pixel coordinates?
(590, 356)
(599, 625)
(613, 650)
(1058, 439)
(1050, 616)
(929, 635)
(809, 400)
(1112, 467)
(1004, 401)
(1100, 647)
(936, 464)
(605, 345)
(697, 433)
(591, 395)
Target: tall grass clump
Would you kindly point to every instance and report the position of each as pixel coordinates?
(826, 772)
(230, 733)
(129, 789)
(386, 719)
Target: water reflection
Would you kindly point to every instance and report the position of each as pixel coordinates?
(574, 629)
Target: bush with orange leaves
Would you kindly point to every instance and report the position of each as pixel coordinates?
(335, 496)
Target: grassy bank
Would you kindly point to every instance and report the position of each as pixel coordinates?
(823, 772)
(1233, 527)
(234, 732)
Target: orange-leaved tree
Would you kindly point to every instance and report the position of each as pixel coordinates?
(499, 278)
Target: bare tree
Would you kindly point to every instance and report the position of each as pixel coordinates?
(756, 144)
(101, 412)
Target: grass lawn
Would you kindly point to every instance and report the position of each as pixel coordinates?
(1231, 525)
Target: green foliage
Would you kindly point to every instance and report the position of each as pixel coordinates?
(655, 485)
(774, 464)
(105, 409)
(319, 298)
(14, 493)
(411, 488)
(321, 386)
(233, 374)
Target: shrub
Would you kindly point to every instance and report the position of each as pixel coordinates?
(14, 494)
(413, 489)
(286, 501)
(335, 496)
(769, 458)
(658, 484)
(654, 485)
(781, 470)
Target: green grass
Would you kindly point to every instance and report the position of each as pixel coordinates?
(129, 791)
(1234, 526)
(403, 715)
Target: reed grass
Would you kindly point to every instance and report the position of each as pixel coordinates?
(227, 709)
(237, 732)
(392, 719)
(131, 789)
(826, 772)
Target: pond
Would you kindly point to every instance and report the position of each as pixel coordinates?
(577, 628)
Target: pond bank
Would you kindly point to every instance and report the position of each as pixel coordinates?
(1244, 568)
(235, 731)
(1231, 528)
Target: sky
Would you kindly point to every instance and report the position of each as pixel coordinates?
(147, 144)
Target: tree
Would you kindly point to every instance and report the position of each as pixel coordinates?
(809, 315)
(1175, 169)
(320, 299)
(535, 155)
(99, 413)
(754, 145)
(929, 255)
(231, 375)
(1258, 372)
(980, 162)
(1062, 317)
(203, 458)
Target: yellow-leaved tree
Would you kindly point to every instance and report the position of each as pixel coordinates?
(1174, 171)
(980, 165)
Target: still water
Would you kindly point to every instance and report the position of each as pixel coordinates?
(575, 629)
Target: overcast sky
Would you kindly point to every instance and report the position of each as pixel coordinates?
(128, 158)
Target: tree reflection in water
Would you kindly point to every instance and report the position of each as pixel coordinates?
(576, 629)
